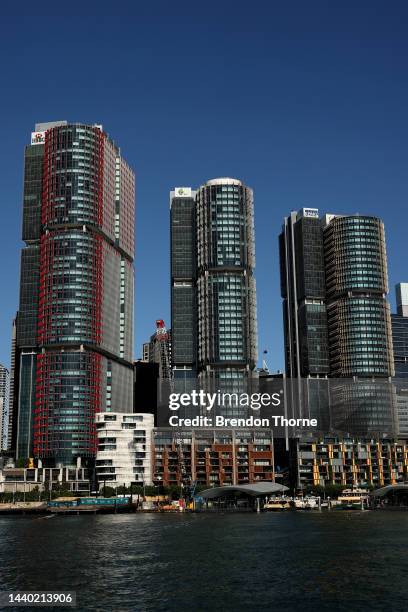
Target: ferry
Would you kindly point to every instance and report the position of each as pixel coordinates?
(76, 505)
(352, 499)
(277, 504)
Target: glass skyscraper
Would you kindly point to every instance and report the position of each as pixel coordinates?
(303, 291)
(183, 285)
(74, 330)
(213, 287)
(337, 322)
(359, 321)
(400, 345)
(4, 406)
(400, 331)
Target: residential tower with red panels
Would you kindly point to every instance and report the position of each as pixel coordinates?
(74, 336)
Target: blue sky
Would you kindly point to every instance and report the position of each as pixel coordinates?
(304, 101)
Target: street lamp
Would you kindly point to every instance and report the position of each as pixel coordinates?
(158, 479)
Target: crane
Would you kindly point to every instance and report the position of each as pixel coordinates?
(166, 373)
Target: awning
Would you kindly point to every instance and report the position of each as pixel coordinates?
(388, 489)
(257, 489)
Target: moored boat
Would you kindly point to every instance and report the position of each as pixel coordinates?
(277, 504)
(306, 503)
(352, 499)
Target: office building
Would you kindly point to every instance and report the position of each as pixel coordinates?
(214, 330)
(4, 407)
(400, 345)
(124, 449)
(13, 395)
(401, 291)
(337, 324)
(358, 312)
(359, 324)
(183, 257)
(334, 285)
(400, 331)
(303, 290)
(74, 328)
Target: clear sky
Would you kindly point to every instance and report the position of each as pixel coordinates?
(306, 102)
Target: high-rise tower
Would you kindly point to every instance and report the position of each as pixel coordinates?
(214, 330)
(4, 406)
(183, 284)
(334, 286)
(74, 340)
(400, 331)
(359, 320)
(399, 323)
(303, 291)
(226, 293)
(337, 320)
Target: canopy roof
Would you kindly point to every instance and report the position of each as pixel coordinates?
(257, 489)
(384, 490)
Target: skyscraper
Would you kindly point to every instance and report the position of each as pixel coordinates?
(4, 406)
(336, 314)
(214, 331)
(13, 397)
(401, 291)
(183, 284)
(400, 344)
(303, 290)
(338, 344)
(334, 286)
(74, 330)
(358, 311)
(400, 331)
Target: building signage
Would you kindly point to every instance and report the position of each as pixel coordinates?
(37, 138)
(311, 212)
(182, 192)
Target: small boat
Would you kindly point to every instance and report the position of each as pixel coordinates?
(307, 503)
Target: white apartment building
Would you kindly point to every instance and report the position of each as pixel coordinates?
(124, 455)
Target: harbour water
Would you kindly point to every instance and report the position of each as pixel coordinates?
(227, 562)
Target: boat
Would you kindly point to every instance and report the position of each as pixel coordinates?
(277, 504)
(306, 503)
(76, 505)
(352, 499)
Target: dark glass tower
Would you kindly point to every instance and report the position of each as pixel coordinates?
(74, 340)
(337, 320)
(183, 285)
(334, 287)
(400, 331)
(213, 286)
(303, 291)
(400, 344)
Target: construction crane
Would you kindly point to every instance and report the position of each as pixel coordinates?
(166, 373)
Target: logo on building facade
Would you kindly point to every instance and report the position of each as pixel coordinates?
(182, 192)
(37, 138)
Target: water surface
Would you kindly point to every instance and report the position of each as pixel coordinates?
(227, 562)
